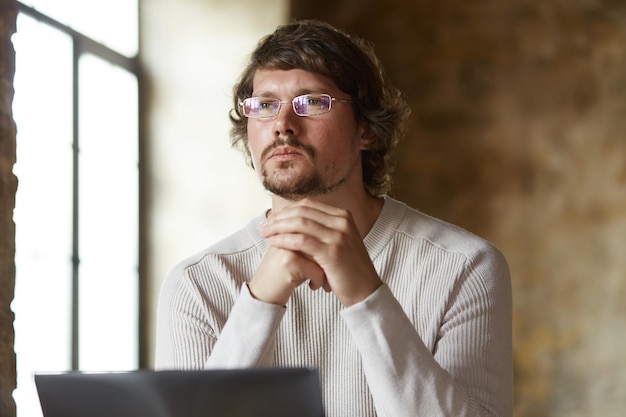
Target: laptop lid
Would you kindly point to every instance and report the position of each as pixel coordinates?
(253, 392)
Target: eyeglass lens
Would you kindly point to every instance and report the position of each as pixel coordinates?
(304, 105)
(311, 104)
(260, 107)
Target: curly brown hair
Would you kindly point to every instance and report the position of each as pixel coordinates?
(351, 64)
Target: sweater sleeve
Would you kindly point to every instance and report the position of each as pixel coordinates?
(192, 336)
(247, 342)
(469, 371)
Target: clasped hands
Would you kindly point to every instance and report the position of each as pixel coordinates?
(315, 242)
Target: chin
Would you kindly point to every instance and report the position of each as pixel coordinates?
(292, 191)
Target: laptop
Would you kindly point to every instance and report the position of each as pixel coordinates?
(251, 392)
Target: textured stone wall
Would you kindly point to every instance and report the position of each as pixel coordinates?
(518, 133)
(8, 186)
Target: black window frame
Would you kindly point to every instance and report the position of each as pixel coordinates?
(82, 45)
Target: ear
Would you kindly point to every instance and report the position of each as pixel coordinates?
(367, 136)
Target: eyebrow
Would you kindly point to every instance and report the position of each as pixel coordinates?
(299, 92)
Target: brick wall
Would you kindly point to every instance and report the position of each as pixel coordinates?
(8, 186)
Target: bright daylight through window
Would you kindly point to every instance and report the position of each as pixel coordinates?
(76, 215)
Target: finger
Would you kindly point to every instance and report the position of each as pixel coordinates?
(310, 222)
(280, 272)
(310, 209)
(304, 245)
(317, 278)
(314, 205)
(316, 284)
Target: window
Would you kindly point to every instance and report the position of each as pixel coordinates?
(76, 299)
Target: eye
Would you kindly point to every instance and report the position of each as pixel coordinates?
(313, 101)
(268, 106)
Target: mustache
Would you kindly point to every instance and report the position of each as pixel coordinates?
(290, 141)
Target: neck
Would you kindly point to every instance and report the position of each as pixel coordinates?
(363, 206)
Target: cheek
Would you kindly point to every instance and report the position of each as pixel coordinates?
(342, 144)
(256, 144)
(255, 155)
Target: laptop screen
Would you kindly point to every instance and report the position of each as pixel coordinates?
(254, 392)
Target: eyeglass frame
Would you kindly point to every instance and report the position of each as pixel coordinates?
(293, 104)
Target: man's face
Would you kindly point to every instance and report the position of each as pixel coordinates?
(298, 156)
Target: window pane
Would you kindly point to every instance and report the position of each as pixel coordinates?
(42, 109)
(108, 200)
(111, 22)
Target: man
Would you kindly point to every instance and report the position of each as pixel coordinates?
(402, 314)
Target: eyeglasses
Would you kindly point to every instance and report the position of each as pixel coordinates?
(304, 105)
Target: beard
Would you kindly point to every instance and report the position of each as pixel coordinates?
(287, 180)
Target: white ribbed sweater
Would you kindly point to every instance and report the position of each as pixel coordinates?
(435, 340)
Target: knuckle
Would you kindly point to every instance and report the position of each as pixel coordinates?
(344, 224)
(301, 221)
(288, 258)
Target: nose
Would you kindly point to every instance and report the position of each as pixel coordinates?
(286, 122)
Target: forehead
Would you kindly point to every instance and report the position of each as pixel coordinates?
(268, 81)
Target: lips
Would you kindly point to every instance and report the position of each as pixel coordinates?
(284, 151)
